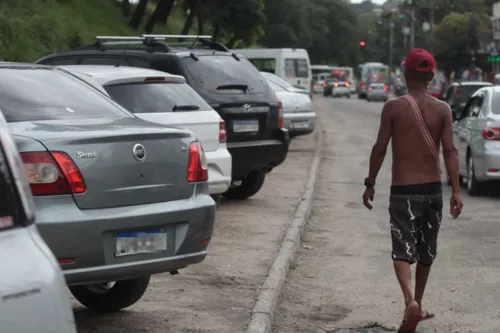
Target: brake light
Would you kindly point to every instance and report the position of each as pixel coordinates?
(370, 89)
(386, 87)
(280, 113)
(314, 87)
(222, 131)
(491, 134)
(197, 164)
(154, 79)
(363, 86)
(347, 85)
(324, 85)
(457, 92)
(52, 173)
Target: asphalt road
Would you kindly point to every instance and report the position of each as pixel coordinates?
(343, 278)
(218, 295)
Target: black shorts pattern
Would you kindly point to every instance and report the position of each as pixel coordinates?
(415, 222)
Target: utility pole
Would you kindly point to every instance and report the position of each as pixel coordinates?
(431, 24)
(473, 34)
(412, 24)
(391, 41)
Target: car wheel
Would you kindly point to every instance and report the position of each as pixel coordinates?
(248, 187)
(474, 187)
(110, 297)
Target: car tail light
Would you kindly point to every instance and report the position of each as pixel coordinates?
(324, 85)
(197, 164)
(154, 79)
(386, 88)
(222, 131)
(347, 84)
(314, 87)
(491, 134)
(457, 92)
(363, 86)
(370, 89)
(52, 173)
(280, 113)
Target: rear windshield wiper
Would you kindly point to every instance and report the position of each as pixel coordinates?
(185, 108)
(243, 87)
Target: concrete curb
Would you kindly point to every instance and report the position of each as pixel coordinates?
(267, 300)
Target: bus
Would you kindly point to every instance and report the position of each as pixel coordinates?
(321, 69)
(371, 72)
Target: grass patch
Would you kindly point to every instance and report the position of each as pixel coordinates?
(30, 29)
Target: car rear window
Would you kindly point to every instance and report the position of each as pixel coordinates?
(495, 103)
(464, 92)
(156, 97)
(223, 74)
(34, 94)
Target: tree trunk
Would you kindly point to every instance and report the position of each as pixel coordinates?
(161, 6)
(216, 33)
(126, 8)
(232, 41)
(200, 18)
(166, 13)
(136, 19)
(189, 22)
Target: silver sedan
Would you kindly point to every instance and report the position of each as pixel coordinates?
(476, 134)
(298, 116)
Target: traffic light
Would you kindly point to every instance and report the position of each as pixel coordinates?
(362, 43)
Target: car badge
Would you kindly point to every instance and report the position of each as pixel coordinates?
(81, 154)
(247, 107)
(139, 152)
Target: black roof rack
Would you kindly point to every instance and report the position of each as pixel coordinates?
(154, 42)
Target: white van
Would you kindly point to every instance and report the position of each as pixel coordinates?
(32, 287)
(292, 65)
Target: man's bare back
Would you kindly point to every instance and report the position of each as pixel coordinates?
(413, 162)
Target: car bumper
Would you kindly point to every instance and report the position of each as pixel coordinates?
(378, 97)
(263, 154)
(487, 166)
(219, 170)
(299, 123)
(85, 238)
(341, 91)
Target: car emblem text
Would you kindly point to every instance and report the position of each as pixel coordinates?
(247, 107)
(139, 152)
(81, 154)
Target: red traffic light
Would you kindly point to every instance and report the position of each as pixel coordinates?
(362, 43)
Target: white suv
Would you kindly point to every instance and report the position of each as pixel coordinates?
(167, 99)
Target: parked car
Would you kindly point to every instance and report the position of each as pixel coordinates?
(298, 116)
(341, 89)
(434, 92)
(228, 82)
(32, 279)
(477, 138)
(377, 92)
(167, 99)
(118, 198)
(458, 93)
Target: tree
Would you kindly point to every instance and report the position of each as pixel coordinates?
(138, 14)
(161, 13)
(452, 39)
(126, 8)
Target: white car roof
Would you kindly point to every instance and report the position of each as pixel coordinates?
(107, 75)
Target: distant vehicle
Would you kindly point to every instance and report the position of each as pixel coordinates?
(118, 198)
(229, 83)
(321, 69)
(434, 92)
(298, 115)
(167, 99)
(371, 72)
(292, 65)
(458, 94)
(328, 86)
(477, 138)
(32, 281)
(319, 80)
(377, 92)
(341, 89)
(346, 74)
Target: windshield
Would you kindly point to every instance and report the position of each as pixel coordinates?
(279, 81)
(495, 103)
(223, 74)
(464, 92)
(33, 94)
(157, 97)
(374, 74)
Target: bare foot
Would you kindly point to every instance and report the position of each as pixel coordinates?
(412, 317)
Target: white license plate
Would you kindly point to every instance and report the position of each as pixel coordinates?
(300, 124)
(143, 241)
(245, 126)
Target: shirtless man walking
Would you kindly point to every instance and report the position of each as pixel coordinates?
(418, 125)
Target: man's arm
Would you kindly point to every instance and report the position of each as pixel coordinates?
(450, 153)
(384, 136)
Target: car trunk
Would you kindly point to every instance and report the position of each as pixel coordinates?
(104, 153)
(205, 124)
(248, 121)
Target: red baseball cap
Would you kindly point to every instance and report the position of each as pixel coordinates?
(419, 60)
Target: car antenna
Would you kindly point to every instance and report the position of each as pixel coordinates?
(195, 40)
(121, 57)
